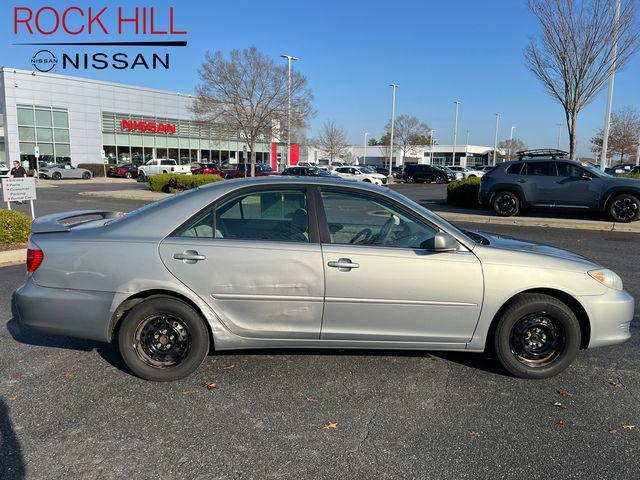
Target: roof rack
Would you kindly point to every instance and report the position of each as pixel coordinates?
(541, 152)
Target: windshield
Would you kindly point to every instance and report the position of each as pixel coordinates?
(594, 170)
(264, 168)
(320, 172)
(366, 170)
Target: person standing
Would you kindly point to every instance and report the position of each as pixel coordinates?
(18, 171)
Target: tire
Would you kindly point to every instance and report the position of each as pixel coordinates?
(56, 176)
(624, 208)
(440, 179)
(410, 179)
(142, 177)
(366, 180)
(128, 175)
(163, 320)
(86, 175)
(506, 204)
(537, 336)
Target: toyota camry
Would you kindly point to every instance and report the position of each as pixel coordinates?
(278, 262)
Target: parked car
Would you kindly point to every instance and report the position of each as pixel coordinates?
(5, 172)
(295, 262)
(621, 169)
(161, 165)
(419, 173)
(552, 182)
(307, 172)
(205, 169)
(63, 171)
(450, 173)
(466, 171)
(123, 170)
(360, 174)
(238, 171)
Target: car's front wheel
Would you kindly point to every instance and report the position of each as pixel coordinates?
(86, 175)
(56, 176)
(537, 336)
(163, 339)
(624, 208)
(142, 177)
(506, 204)
(440, 179)
(410, 179)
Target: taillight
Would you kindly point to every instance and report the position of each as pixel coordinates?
(34, 259)
(484, 178)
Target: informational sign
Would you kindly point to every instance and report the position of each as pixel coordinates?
(18, 189)
(36, 151)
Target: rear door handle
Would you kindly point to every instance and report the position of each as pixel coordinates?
(344, 264)
(189, 256)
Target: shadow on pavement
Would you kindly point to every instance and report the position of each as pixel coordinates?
(11, 460)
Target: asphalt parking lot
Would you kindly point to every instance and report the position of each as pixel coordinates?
(70, 409)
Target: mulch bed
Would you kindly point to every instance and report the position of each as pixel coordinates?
(11, 246)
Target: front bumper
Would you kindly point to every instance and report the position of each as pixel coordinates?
(610, 316)
(59, 311)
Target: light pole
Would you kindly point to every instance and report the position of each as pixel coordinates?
(393, 120)
(466, 147)
(638, 151)
(511, 141)
(455, 133)
(495, 140)
(612, 74)
(364, 160)
(289, 59)
(559, 134)
(431, 151)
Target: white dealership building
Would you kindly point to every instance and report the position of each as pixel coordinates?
(80, 120)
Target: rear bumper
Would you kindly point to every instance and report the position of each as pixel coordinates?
(484, 198)
(610, 316)
(75, 313)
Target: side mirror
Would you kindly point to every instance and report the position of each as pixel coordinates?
(444, 242)
(584, 176)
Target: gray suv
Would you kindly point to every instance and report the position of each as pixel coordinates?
(554, 182)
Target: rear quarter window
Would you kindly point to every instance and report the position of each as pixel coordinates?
(515, 169)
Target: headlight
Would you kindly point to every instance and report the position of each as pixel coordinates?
(607, 278)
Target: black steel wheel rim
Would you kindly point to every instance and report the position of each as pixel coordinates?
(162, 340)
(625, 208)
(537, 340)
(506, 204)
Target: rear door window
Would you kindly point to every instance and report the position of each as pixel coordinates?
(539, 169)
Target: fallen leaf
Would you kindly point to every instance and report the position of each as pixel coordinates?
(17, 376)
(229, 367)
(70, 373)
(13, 398)
(311, 399)
(613, 431)
(565, 393)
(560, 423)
(628, 426)
(474, 434)
(559, 405)
(330, 426)
(615, 383)
(209, 385)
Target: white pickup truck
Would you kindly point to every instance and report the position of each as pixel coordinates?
(162, 165)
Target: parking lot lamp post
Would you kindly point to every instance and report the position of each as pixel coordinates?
(393, 120)
(612, 74)
(638, 151)
(289, 59)
(466, 144)
(364, 160)
(455, 133)
(495, 140)
(511, 142)
(432, 140)
(559, 134)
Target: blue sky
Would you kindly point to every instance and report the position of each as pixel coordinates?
(351, 50)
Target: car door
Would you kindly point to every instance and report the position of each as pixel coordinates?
(255, 259)
(539, 183)
(577, 187)
(384, 283)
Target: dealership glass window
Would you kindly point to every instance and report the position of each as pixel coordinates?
(61, 135)
(148, 154)
(43, 117)
(124, 154)
(44, 134)
(215, 156)
(173, 154)
(136, 154)
(161, 153)
(26, 116)
(60, 118)
(63, 153)
(110, 153)
(27, 134)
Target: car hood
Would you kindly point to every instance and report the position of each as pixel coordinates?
(504, 242)
(625, 182)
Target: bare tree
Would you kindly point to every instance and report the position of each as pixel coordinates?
(247, 94)
(332, 140)
(408, 132)
(623, 135)
(511, 146)
(574, 53)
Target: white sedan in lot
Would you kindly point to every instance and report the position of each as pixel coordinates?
(360, 174)
(467, 172)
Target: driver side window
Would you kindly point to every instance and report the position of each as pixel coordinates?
(364, 220)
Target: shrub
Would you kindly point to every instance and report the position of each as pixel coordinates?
(167, 182)
(464, 193)
(15, 226)
(633, 175)
(96, 169)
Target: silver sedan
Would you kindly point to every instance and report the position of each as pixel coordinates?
(320, 263)
(59, 171)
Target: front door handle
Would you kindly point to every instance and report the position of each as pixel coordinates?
(189, 256)
(344, 264)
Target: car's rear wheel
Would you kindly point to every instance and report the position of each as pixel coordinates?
(410, 179)
(440, 179)
(537, 336)
(142, 177)
(56, 176)
(128, 175)
(624, 208)
(86, 175)
(506, 204)
(163, 339)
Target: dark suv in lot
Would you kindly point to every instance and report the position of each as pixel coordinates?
(545, 179)
(426, 173)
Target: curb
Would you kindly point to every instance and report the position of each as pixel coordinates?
(144, 195)
(13, 257)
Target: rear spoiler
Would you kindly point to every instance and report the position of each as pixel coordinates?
(53, 223)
